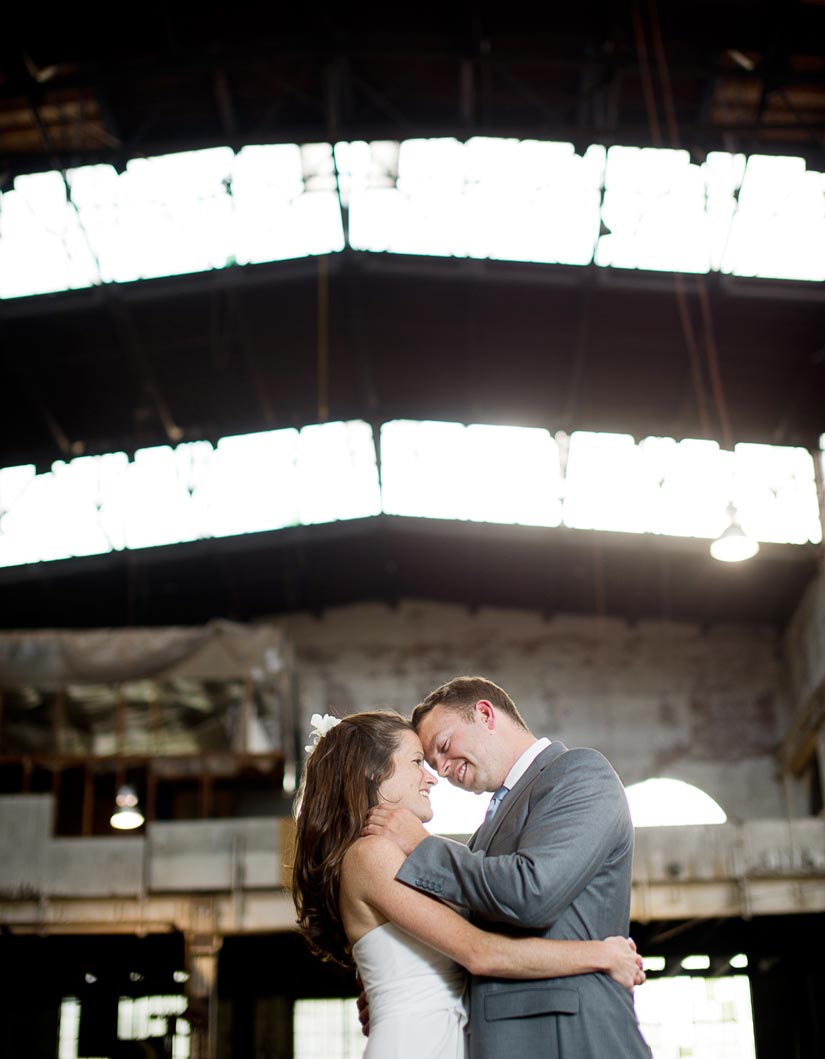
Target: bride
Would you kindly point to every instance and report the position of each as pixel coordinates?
(409, 949)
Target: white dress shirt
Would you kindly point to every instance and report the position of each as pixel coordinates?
(524, 762)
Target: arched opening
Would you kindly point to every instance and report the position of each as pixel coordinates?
(662, 802)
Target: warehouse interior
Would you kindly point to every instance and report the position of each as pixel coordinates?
(188, 668)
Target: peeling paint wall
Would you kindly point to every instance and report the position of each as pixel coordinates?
(658, 698)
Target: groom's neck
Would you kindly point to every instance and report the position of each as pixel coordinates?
(515, 740)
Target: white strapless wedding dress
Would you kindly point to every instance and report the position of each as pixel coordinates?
(415, 997)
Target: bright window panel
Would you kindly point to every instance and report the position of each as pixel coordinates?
(654, 206)
(421, 468)
(482, 473)
(337, 473)
(42, 248)
(777, 493)
(15, 547)
(518, 200)
(694, 485)
(723, 177)
(284, 203)
(164, 216)
(69, 1028)
(778, 229)
(327, 1029)
(700, 1018)
(508, 475)
(684, 488)
(365, 167)
(164, 496)
(147, 1017)
(74, 491)
(167, 215)
(426, 214)
(251, 484)
(103, 204)
(155, 502)
(30, 529)
(286, 477)
(489, 198)
(605, 485)
(110, 495)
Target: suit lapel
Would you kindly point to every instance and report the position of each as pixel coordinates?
(485, 834)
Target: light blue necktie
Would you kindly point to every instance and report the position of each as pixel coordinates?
(495, 801)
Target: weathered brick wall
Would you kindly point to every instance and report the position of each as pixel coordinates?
(658, 698)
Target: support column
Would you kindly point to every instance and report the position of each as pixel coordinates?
(203, 943)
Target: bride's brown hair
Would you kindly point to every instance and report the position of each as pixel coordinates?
(339, 786)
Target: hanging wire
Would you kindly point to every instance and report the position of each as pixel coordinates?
(696, 349)
(323, 338)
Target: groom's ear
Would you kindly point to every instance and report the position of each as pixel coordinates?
(487, 713)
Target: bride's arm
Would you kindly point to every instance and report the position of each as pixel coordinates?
(370, 875)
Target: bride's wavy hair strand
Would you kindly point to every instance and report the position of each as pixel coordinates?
(339, 786)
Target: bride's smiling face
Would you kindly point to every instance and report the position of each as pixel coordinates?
(409, 785)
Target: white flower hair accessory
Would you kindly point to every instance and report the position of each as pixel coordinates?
(319, 728)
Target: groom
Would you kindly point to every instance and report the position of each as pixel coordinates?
(553, 858)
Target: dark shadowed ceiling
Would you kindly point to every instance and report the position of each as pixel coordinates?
(730, 75)
(236, 350)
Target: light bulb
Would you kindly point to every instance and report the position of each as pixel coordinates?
(127, 815)
(733, 545)
(126, 819)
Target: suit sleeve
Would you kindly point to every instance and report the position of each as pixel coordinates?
(575, 823)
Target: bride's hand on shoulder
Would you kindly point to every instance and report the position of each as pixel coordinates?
(396, 824)
(624, 964)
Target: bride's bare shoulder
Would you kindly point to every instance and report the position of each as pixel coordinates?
(373, 853)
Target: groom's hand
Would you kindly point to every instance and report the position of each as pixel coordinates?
(363, 1007)
(398, 825)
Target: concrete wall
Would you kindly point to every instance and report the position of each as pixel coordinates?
(803, 748)
(805, 645)
(658, 698)
(183, 856)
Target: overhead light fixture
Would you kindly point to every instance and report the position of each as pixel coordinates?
(127, 814)
(733, 545)
(739, 57)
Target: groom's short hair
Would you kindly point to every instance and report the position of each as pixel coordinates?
(461, 694)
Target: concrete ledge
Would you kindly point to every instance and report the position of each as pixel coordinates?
(237, 871)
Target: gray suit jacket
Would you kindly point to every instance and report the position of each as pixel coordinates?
(555, 860)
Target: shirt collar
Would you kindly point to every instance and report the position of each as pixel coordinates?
(524, 762)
